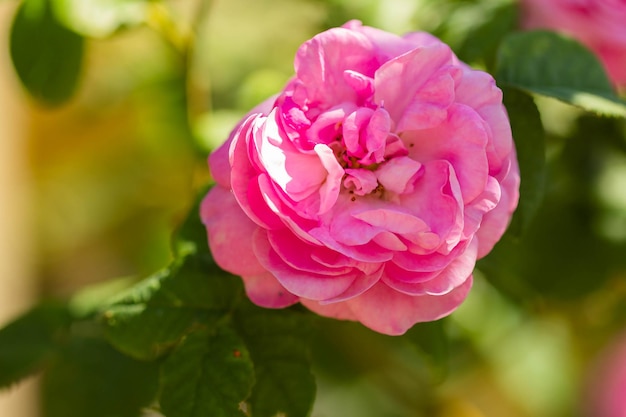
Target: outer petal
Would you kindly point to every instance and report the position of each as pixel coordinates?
(264, 290)
(389, 45)
(218, 160)
(387, 311)
(478, 90)
(339, 311)
(230, 233)
(245, 176)
(495, 222)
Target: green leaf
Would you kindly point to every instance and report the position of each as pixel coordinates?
(47, 57)
(100, 18)
(548, 64)
(28, 343)
(278, 344)
(209, 374)
(431, 341)
(146, 332)
(529, 139)
(90, 378)
(152, 317)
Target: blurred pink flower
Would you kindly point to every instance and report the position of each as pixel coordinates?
(369, 186)
(598, 24)
(607, 384)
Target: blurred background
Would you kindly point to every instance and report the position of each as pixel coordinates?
(91, 188)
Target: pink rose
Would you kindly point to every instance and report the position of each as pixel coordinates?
(599, 24)
(369, 186)
(607, 385)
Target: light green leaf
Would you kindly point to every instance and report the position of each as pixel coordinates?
(278, 344)
(90, 378)
(209, 374)
(100, 18)
(47, 57)
(529, 139)
(548, 64)
(27, 343)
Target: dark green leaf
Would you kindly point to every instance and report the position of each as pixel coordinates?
(146, 332)
(100, 18)
(278, 344)
(209, 374)
(28, 343)
(152, 317)
(559, 256)
(529, 139)
(47, 57)
(548, 64)
(562, 254)
(92, 379)
(431, 341)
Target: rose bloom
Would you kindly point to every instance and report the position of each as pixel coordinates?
(368, 188)
(606, 388)
(598, 24)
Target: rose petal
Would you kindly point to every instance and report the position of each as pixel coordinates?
(495, 222)
(478, 90)
(461, 141)
(305, 284)
(264, 290)
(219, 159)
(230, 232)
(387, 311)
(299, 255)
(453, 276)
(339, 310)
(360, 181)
(322, 61)
(399, 80)
(436, 200)
(398, 174)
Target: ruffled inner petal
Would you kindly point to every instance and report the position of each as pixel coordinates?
(436, 200)
(321, 62)
(398, 81)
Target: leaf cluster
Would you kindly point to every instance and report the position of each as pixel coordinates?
(184, 342)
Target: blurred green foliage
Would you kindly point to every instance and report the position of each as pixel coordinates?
(128, 99)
